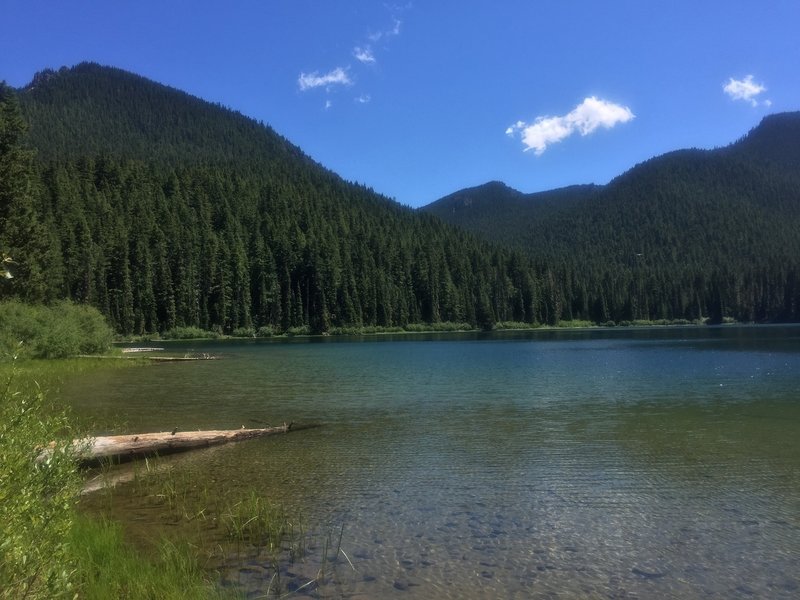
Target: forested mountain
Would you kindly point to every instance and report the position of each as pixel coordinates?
(692, 233)
(496, 211)
(164, 210)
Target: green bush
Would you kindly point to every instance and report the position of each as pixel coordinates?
(265, 331)
(58, 331)
(443, 326)
(188, 333)
(500, 325)
(243, 332)
(49, 551)
(575, 323)
(301, 330)
(38, 494)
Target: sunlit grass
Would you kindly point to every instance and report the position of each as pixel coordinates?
(224, 527)
(108, 567)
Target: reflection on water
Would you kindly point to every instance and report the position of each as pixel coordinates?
(549, 464)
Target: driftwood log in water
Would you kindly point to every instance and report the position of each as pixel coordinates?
(127, 447)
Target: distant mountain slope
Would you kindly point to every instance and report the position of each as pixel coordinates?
(164, 210)
(91, 110)
(774, 142)
(761, 169)
(494, 207)
(722, 223)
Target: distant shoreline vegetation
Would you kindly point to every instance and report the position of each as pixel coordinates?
(196, 333)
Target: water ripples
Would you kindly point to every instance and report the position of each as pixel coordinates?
(571, 467)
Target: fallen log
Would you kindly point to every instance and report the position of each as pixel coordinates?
(121, 448)
(142, 349)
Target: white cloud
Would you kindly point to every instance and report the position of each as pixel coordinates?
(395, 30)
(364, 55)
(585, 118)
(328, 104)
(308, 81)
(745, 89)
(364, 99)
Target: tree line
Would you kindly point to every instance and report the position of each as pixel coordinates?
(225, 245)
(689, 235)
(164, 211)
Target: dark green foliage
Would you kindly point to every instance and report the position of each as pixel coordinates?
(690, 235)
(23, 236)
(169, 213)
(57, 331)
(166, 212)
(188, 333)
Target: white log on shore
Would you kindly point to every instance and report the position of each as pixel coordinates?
(148, 349)
(127, 447)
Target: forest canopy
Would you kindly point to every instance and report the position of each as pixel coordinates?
(163, 211)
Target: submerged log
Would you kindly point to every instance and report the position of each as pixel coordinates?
(128, 447)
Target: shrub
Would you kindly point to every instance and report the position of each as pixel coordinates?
(188, 333)
(514, 325)
(575, 323)
(38, 493)
(265, 331)
(301, 330)
(243, 332)
(58, 331)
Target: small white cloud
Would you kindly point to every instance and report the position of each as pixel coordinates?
(328, 104)
(585, 118)
(513, 128)
(364, 55)
(308, 81)
(378, 35)
(364, 99)
(745, 89)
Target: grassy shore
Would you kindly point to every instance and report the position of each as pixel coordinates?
(48, 547)
(198, 334)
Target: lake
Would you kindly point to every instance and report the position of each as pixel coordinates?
(555, 464)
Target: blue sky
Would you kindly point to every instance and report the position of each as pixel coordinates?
(419, 99)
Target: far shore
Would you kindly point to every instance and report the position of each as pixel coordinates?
(443, 328)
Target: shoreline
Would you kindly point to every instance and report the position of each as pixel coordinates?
(568, 326)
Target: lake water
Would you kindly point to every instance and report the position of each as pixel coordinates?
(555, 464)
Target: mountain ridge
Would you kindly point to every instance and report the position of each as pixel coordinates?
(165, 211)
(686, 219)
(760, 138)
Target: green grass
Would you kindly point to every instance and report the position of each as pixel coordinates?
(48, 550)
(110, 568)
(219, 527)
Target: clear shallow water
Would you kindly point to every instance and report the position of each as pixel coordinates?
(635, 463)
